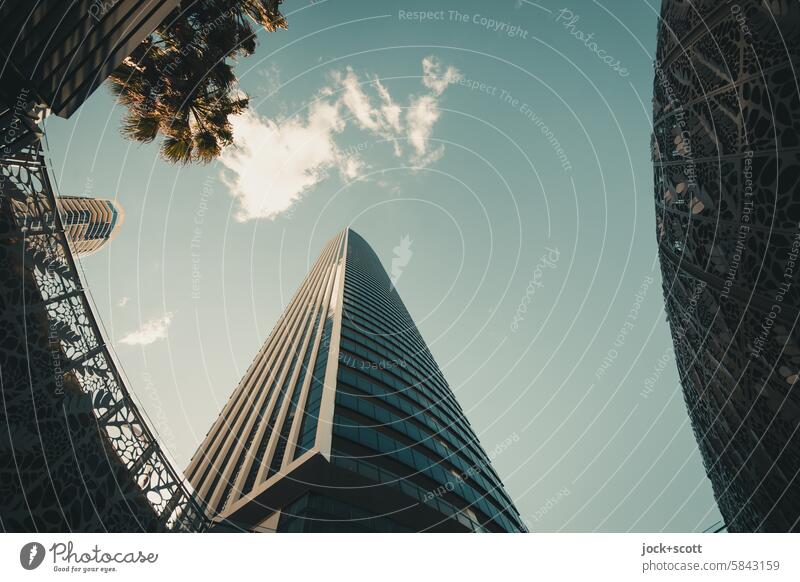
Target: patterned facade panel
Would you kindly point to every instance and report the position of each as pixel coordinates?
(69, 418)
(726, 171)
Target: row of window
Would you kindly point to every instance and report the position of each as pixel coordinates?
(385, 301)
(363, 322)
(357, 357)
(380, 475)
(76, 217)
(473, 471)
(429, 389)
(376, 352)
(444, 421)
(314, 512)
(364, 389)
(372, 439)
(388, 304)
(397, 329)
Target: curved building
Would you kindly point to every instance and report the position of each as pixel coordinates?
(343, 422)
(90, 223)
(76, 454)
(726, 153)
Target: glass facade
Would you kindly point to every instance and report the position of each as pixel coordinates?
(315, 513)
(393, 407)
(353, 427)
(90, 223)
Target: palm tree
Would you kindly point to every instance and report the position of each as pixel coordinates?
(180, 82)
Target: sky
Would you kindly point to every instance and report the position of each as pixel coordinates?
(501, 154)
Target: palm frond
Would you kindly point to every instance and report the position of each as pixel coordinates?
(179, 83)
(176, 150)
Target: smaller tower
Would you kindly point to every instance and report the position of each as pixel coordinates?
(90, 223)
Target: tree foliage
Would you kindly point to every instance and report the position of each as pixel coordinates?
(180, 82)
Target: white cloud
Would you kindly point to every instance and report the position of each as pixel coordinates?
(352, 167)
(151, 331)
(354, 98)
(270, 78)
(123, 301)
(383, 121)
(272, 164)
(434, 79)
(390, 110)
(424, 112)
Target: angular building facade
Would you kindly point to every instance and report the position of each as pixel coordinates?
(344, 422)
(58, 53)
(726, 152)
(90, 223)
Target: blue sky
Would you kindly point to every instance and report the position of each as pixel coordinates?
(510, 144)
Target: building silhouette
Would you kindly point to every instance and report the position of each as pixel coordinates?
(76, 453)
(726, 157)
(344, 422)
(90, 223)
(57, 53)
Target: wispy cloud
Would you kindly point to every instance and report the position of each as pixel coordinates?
(354, 98)
(270, 77)
(352, 167)
(434, 78)
(150, 331)
(123, 301)
(390, 110)
(273, 163)
(424, 112)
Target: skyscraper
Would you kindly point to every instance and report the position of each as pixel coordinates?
(57, 53)
(727, 164)
(344, 422)
(90, 223)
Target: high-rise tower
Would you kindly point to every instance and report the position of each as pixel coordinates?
(726, 154)
(90, 223)
(344, 422)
